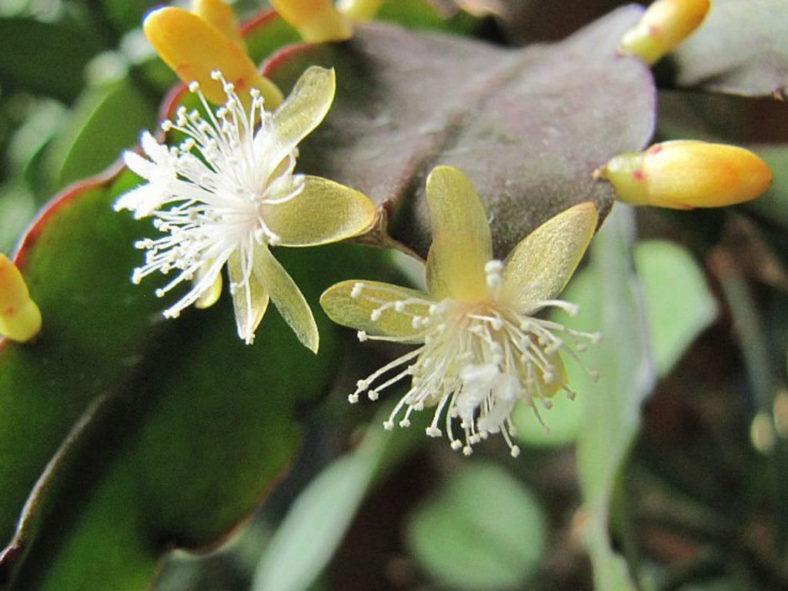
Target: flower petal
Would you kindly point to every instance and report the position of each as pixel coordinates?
(138, 165)
(324, 211)
(303, 110)
(461, 243)
(211, 295)
(157, 152)
(541, 388)
(286, 296)
(250, 297)
(542, 263)
(353, 303)
(142, 200)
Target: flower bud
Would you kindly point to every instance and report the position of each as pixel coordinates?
(20, 318)
(194, 48)
(683, 174)
(359, 10)
(664, 25)
(220, 15)
(316, 20)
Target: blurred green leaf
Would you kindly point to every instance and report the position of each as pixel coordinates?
(774, 204)
(677, 300)
(482, 530)
(48, 58)
(420, 14)
(561, 422)
(17, 206)
(44, 119)
(678, 307)
(741, 48)
(515, 121)
(319, 517)
(612, 404)
(565, 418)
(267, 33)
(179, 426)
(107, 119)
(124, 15)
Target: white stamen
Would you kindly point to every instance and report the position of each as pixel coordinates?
(475, 363)
(208, 194)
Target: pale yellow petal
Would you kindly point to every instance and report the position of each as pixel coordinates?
(542, 263)
(548, 390)
(323, 212)
(250, 298)
(461, 243)
(211, 295)
(304, 108)
(286, 296)
(371, 306)
(194, 48)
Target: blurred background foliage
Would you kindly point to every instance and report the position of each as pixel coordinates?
(696, 333)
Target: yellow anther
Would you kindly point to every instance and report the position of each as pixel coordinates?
(20, 318)
(194, 48)
(662, 27)
(683, 174)
(220, 15)
(315, 20)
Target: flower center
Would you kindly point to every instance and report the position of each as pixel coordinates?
(476, 361)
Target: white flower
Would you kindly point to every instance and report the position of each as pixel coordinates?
(228, 192)
(481, 348)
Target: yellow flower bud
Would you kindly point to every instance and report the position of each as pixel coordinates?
(194, 48)
(220, 15)
(316, 20)
(683, 174)
(664, 25)
(20, 318)
(359, 10)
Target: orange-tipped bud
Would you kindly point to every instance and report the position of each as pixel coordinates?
(20, 318)
(664, 25)
(220, 15)
(194, 48)
(684, 174)
(316, 20)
